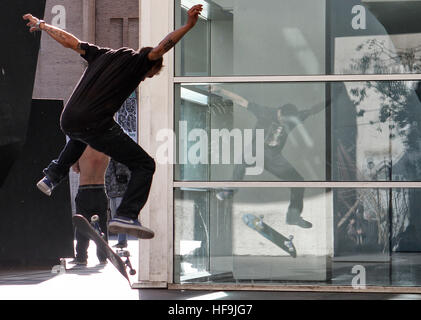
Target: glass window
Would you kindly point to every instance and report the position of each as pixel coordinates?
(241, 234)
(340, 236)
(295, 131)
(339, 131)
(299, 37)
(236, 131)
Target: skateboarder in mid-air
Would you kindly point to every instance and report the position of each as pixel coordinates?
(87, 119)
(278, 124)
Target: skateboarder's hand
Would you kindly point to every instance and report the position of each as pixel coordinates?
(193, 14)
(219, 105)
(32, 22)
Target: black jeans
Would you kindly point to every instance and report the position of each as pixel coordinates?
(279, 166)
(91, 200)
(119, 146)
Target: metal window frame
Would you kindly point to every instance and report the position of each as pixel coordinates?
(300, 78)
(294, 79)
(188, 80)
(299, 184)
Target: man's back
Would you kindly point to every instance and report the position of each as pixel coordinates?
(111, 76)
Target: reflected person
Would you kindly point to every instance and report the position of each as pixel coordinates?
(278, 124)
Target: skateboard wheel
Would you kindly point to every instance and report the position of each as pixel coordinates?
(132, 272)
(95, 218)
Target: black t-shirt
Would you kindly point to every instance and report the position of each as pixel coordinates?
(276, 132)
(111, 76)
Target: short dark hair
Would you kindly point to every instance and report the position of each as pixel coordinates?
(288, 109)
(158, 63)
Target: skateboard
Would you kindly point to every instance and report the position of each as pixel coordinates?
(257, 224)
(121, 251)
(124, 253)
(90, 232)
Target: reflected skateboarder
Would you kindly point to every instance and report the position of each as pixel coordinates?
(278, 124)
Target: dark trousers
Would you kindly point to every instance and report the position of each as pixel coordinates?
(279, 166)
(91, 200)
(119, 146)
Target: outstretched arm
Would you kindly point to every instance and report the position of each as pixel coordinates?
(231, 95)
(171, 39)
(304, 114)
(318, 107)
(64, 38)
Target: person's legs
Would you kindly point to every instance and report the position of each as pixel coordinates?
(100, 198)
(121, 237)
(90, 200)
(281, 168)
(119, 146)
(238, 175)
(82, 242)
(58, 169)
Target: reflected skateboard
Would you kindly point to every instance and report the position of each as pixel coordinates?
(257, 224)
(90, 232)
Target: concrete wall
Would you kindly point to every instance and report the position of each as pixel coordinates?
(59, 69)
(103, 22)
(155, 256)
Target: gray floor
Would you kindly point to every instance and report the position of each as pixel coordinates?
(158, 294)
(105, 283)
(96, 282)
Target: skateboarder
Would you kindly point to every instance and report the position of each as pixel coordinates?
(91, 199)
(87, 119)
(116, 178)
(277, 123)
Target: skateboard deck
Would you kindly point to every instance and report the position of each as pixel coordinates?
(86, 228)
(257, 224)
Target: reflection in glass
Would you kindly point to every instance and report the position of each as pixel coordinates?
(240, 37)
(281, 131)
(247, 236)
(222, 240)
(192, 238)
(406, 220)
(381, 38)
(252, 132)
(375, 131)
(361, 222)
(300, 37)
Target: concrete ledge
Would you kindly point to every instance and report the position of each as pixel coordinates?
(149, 284)
(293, 288)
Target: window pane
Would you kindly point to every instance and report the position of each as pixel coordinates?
(299, 37)
(339, 236)
(236, 131)
(340, 131)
